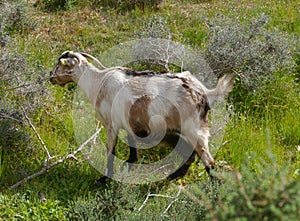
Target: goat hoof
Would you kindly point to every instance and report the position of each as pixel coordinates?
(101, 182)
(210, 167)
(207, 168)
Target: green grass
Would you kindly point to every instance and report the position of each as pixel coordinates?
(270, 122)
(267, 122)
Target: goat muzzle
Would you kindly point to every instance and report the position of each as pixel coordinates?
(52, 78)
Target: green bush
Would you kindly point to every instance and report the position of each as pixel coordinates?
(51, 5)
(13, 19)
(270, 194)
(123, 5)
(249, 49)
(21, 89)
(127, 5)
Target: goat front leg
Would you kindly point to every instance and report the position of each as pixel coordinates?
(111, 145)
(133, 157)
(205, 156)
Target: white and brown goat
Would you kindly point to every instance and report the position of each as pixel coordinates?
(131, 100)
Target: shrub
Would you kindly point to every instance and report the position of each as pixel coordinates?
(21, 84)
(114, 202)
(13, 18)
(271, 194)
(127, 5)
(120, 5)
(248, 49)
(51, 5)
(21, 89)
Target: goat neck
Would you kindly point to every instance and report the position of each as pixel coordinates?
(89, 79)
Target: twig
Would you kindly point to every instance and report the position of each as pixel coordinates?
(97, 127)
(175, 198)
(173, 201)
(62, 159)
(38, 136)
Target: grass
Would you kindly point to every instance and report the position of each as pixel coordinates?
(268, 121)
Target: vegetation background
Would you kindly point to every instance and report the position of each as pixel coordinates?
(258, 163)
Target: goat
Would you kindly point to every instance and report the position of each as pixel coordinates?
(127, 99)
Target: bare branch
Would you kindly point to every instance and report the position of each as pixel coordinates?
(175, 198)
(62, 159)
(38, 136)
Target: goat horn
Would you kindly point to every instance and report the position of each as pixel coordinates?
(79, 57)
(94, 59)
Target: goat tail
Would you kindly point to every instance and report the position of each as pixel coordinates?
(223, 88)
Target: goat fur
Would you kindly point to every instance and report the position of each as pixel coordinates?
(147, 105)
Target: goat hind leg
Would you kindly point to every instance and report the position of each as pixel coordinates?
(133, 151)
(182, 170)
(133, 155)
(186, 151)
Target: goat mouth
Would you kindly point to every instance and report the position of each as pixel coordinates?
(62, 84)
(54, 82)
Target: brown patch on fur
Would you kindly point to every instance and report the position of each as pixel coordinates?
(101, 95)
(138, 116)
(173, 119)
(204, 113)
(199, 97)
